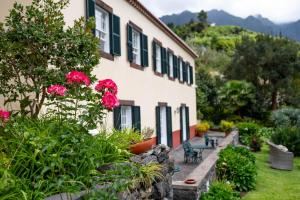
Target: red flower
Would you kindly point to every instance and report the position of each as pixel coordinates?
(78, 77)
(109, 100)
(4, 115)
(108, 84)
(58, 90)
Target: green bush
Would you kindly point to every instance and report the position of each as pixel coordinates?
(124, 138)
(288, 136)
(50, 156)
(237, 165)
(246, 131)
(265, 133)
(220, 191)
(226, 126)
(286, 117)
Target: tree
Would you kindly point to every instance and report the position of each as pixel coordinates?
(235, 96)
(37, 50)
(202, 17)
(270, 63)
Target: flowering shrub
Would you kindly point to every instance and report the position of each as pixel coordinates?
(226, 126)
(4, 116)
(109, 100)
(58, 90)
(107, 85)
(78, 77)
(202, 127)
(82, 104)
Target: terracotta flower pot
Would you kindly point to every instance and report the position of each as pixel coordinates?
(141, 147)
(200, 134)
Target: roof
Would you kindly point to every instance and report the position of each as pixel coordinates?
(140, 7)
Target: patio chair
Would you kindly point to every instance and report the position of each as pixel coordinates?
(191, 154)
(209, 141)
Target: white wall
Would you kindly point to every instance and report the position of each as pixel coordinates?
(144, 87)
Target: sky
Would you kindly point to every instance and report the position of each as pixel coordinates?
(278, 11)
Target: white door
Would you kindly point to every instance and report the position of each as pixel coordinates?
(163, 125)
(183, 117)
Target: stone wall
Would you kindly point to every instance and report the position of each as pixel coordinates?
(161, 189)
(204, 174)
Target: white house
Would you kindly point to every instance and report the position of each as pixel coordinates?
(152, 66)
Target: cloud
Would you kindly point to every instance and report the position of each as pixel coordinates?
(279, 11)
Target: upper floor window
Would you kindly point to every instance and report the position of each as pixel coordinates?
(158, 58)
(171, 65)
(180, 70)
(136, 47)
(102, 29)
(107, 28)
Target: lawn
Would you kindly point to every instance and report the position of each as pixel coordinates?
(275, 184)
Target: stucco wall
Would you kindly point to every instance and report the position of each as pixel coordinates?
(144, 87)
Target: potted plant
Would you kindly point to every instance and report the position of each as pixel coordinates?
(202, 128)
(226, 127)
(146, 144)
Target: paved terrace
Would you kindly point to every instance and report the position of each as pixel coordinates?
(187, 168)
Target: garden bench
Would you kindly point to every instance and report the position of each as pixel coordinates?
(190, 153)
(280, 159)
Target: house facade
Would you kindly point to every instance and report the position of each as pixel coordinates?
(153, 67)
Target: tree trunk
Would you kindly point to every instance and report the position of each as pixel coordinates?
(274, 100)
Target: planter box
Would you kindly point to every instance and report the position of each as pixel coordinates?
(142, 147)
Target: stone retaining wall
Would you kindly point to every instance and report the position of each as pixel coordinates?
(204, 174)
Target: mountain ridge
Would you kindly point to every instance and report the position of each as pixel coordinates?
(256, 23)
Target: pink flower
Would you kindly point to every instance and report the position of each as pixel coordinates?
(58, 90)
(78, 77)
(108, 84)
(109, 100)
(4, 115)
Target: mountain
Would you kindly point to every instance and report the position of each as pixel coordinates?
(254, 23)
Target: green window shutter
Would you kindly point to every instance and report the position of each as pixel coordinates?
(90, 10)
(181, 124)
(187, 112)
(117, 118)
(129, 43)
(164, 60)
(169, 127)
(136, 118)
(115, 35)
(144, 48)
(191, 75)
(175, 62)
(154, 55)
(157, 116)
(185, 71)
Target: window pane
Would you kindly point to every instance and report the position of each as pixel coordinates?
(126, 117)
(158, 59)
(171, 64)
(136, 47)
(102, 28)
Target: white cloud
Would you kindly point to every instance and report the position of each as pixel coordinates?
(276, 10)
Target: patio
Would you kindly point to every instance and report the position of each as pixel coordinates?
(187, 168)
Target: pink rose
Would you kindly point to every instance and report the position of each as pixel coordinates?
(58, 90)
(109, 100)
(78, 77)
(107, 84)
(4, 115)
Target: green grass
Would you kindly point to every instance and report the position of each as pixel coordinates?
(275, 184)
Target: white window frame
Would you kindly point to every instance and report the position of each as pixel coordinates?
(102, 28)
(158, 59)
(171, 65)
(180, 71)
(126, 117)
(136, 47)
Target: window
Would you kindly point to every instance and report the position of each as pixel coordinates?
(188, 75)
(171, 70)
(126, 117)
(136, 47)
(102, 29)
(158, 59)
(180, 71)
